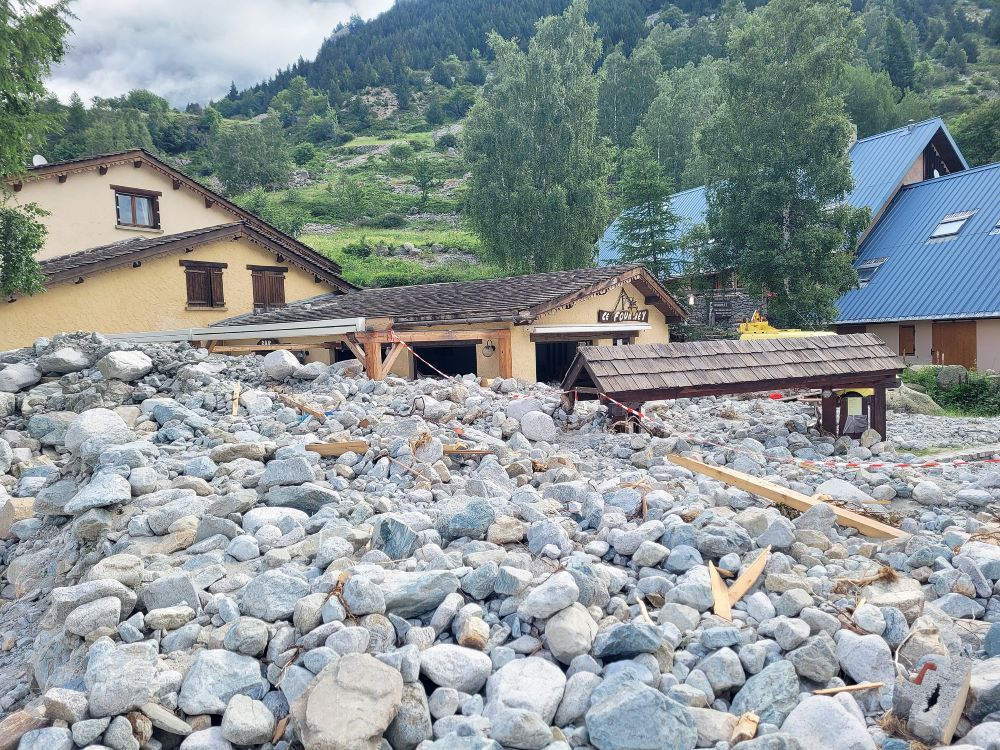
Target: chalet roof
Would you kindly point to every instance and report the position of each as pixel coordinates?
(143, 157)
(516, 298)
(878, 165)
(106, 257)
(656, 371)
(918, 277)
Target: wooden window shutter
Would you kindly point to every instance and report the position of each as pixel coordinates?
(268, 288)
(218, 298)
(199, 290)
(155, 206)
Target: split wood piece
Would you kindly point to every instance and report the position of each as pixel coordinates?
(850, 688)
(279, 729)
(338, 448)
(236, 398)
(644, 611)
(746, 581)
(458, 450)
(358, 352)
(746, 728)
(302, 407)
(19, 723)
(246, 348)
(720, 594)
(787, 497)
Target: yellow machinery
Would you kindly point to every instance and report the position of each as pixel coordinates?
(758, 328)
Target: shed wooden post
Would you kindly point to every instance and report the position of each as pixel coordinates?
(373, 360)
(504, 354)
(829, 411)
(878, 410)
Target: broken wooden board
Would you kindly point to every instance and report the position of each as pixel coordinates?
(338, 448)
(787, 497)
(851, 688)
(302, 407)
(746, 581)
(458, 450)
(746, 728)
(720, 594)
(236, 398)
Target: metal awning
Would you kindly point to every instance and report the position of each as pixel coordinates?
(599, 330)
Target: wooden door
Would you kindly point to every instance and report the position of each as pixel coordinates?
(954, 343)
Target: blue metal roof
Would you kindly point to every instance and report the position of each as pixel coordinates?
(878, 163)
(925, 279)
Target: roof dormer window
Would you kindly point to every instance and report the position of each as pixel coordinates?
(867, 270)
(951, 225)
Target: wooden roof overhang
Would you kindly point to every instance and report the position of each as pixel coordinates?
(640, 373)
(76, 266)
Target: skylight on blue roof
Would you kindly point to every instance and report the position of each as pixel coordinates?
(951, 225)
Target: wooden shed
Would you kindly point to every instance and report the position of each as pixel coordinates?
(852, 372)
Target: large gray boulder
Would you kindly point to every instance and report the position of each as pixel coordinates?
(819, 721)
(103, 424)
(120, 678)
(636, 717)
(126, 366)
(349, 705)
(910, 401)
(63, 360)
(215, 677)
(17, 376)
(280, 364)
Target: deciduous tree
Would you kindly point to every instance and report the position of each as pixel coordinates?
(539, 170)
(32, 38)
(249, 156)
(776, 154)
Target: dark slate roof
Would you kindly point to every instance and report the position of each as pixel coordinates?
(923, 278)
(878, 163)
(673, 370)
(106, 257)
(515, 298)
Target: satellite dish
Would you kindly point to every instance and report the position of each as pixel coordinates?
(38, 160)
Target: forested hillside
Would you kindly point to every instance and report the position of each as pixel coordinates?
(360, 150)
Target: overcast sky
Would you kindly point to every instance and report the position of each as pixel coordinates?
(189, 50)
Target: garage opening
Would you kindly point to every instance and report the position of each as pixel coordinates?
(553, 358)
(451, 359)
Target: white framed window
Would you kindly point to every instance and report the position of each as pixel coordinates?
(951, 225)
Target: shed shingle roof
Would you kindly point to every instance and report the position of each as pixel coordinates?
(106, 257)
(515, 298)
(671, 370)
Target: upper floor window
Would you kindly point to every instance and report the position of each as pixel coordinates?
(951, 225)
(867, 270)
(136, 207)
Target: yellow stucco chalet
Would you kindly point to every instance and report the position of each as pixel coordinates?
(135, 245)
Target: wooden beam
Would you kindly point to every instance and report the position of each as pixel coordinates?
(244, 348)
(338, 448)
(176, 184)
(457, 450)
(505, 359)
(302, 407)
(209, 202)
(829, 411)
(103, 169)
(373, 359)
(358, 352)
(789, 498)
(852, 688)
(392, 356)
(387, 337)
(878, 411)
(17, 186)
(63, 177)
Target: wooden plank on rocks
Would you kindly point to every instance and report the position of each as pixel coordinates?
(746, 581)
(302, 407)
(338, 448)
(458, 450)
(850, 688)
(720, 594)
(745, 729)
(789, 498)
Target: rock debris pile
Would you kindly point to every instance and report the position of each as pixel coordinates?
(180, 572)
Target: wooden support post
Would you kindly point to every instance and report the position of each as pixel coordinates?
(505, 356)
(373, 360)
(787, 497)
(829, 411)
(568, 401)
(878, 411)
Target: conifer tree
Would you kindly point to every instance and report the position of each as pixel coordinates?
(898, 55)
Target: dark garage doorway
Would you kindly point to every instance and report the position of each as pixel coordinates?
(451, 359)
(553, 358)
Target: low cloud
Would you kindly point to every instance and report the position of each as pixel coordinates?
(190, 50)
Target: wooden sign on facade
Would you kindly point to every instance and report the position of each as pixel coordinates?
(626, 311)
